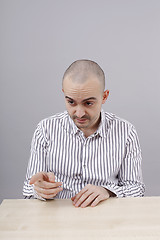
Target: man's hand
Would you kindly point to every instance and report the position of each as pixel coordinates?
(45, 185)
(90, 195)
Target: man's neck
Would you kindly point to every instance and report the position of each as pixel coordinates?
(88, 132)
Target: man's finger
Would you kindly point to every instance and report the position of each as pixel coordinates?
(52, 191)
(85, 199)
(46, 176)
(47, 196)
(72, 198)
(51, 176)
(77, 197)
(37, 177)
(48, 185)
(96, 201)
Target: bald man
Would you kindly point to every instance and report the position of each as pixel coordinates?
(84, 154)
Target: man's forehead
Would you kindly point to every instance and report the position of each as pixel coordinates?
(91, 84)
(80, 94)
(80, 91)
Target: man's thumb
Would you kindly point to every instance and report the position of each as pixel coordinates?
(36, 177)
(51, 177)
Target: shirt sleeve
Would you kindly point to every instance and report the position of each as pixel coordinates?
(130, 182)
(37, 161)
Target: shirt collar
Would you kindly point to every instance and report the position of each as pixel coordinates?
(73, 128)
(101, 128)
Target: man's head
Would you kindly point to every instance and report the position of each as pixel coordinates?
(83, 87)
(80, 70)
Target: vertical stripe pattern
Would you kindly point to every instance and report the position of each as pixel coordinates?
(111, 157)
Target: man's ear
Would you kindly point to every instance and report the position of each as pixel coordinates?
(62, 90)
(105, 96)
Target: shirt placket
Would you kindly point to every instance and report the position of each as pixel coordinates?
(84, 159)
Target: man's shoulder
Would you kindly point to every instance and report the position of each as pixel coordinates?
(57, 118)
(114, 119)
(55, 123)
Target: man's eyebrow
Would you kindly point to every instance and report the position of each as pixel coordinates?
(69, 98)
(87, 99)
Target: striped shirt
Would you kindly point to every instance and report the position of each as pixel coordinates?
(111, 157)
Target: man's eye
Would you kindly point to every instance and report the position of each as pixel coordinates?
(71, 102)
(89, 103)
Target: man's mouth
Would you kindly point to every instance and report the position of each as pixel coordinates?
(81, 120)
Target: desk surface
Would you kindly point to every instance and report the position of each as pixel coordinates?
(125, 218)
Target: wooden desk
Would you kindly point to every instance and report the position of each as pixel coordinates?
(127, 218)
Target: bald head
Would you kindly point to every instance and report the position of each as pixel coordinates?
(82, 70)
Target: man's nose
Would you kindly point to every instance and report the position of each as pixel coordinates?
(80, 112)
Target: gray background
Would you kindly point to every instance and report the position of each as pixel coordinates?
(41, 38)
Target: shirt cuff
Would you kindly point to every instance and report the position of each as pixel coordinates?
(111, 191)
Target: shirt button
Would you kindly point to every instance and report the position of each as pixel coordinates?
(77, 176)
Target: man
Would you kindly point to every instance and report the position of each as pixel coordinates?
(84, 153)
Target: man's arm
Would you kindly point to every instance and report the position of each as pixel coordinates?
(37, 161)
(129, 184)
(130, 181)
(39, 184)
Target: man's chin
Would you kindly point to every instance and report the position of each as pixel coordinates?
(81, 124)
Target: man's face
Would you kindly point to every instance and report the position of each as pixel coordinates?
(84, 101)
